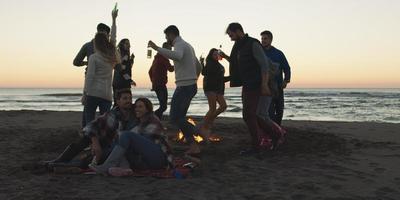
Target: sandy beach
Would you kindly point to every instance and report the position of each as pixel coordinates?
(321, 160)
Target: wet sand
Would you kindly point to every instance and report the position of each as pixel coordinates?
(321, 160)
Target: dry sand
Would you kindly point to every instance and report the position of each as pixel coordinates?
(321, 160)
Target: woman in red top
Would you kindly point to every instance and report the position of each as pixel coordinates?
(158, 76)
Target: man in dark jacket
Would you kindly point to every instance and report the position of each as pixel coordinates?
(249, 68)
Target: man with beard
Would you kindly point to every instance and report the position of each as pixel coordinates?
(102, 132)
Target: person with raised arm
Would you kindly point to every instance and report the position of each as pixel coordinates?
(158, 74)
(187, 71)
(97, 90)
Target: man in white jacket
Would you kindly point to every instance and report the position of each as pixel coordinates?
(187, 70)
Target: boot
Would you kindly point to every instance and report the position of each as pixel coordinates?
(67, 155)
(113, 160)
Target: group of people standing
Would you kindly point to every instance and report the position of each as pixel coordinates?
(130, 134)
(104, 57)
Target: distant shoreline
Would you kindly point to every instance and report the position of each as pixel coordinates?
(368, 105)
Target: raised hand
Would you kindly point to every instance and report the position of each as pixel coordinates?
(114, 14)
(201, 59)
(152, 45)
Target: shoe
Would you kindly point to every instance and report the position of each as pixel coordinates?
(280, 136)
(118, 171)
(113, 160)
(66, 156)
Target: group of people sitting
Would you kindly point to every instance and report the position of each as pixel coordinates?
(130, 135)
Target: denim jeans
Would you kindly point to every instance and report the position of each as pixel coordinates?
(180, 103)
(264, 103)
(277, 107)
(91, 106)
(142, 152)
(264, 120)
(162, 96)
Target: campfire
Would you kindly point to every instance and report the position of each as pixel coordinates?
(197, 137)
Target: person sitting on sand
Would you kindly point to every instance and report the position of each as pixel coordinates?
(214, 88)
(144, 147)
(103, 131)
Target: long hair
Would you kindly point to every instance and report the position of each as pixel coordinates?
(209, 58)
(105, 48)
(149, 106)
(121, 48)
(147, 103)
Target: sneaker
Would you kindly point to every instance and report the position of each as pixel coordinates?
(118, 171)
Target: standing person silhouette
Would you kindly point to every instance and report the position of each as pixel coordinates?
(187, 71)
(85, 52)
(159, 77)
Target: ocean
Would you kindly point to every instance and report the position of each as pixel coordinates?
(371, 105)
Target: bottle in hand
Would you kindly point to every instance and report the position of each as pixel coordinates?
(149, 53)
(220, 53)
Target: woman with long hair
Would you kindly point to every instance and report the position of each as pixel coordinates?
(144, 147)
(98, 78)
(214, 88)
(123, 72)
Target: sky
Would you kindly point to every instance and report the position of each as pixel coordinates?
(328, 43)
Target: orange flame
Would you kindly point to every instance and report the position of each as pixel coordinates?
(197, 137)
(214, 138)
(180, 137)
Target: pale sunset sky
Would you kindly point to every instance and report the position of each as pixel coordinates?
(328, 43)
